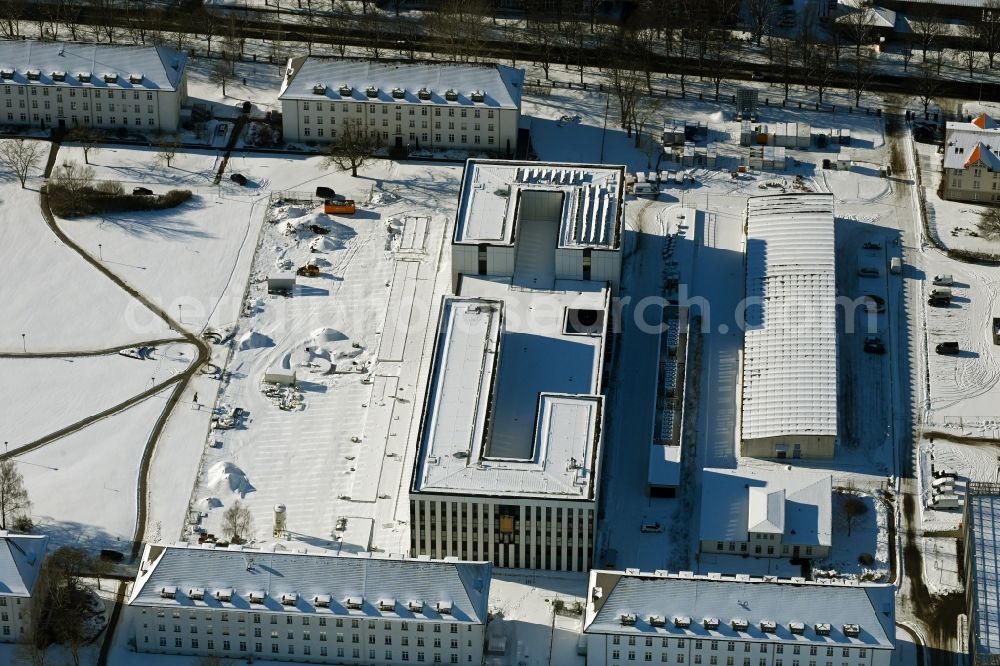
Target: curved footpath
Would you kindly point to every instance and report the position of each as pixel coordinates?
(180, 382)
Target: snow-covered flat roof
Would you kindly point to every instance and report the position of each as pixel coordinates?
(319, 79)
(292, 582)
(975, 143)
(493, 202)
(982, 508)
(725, 600)
(114, 67)
(505, 353)
(20, 561)
(790, 343)
(793, 504)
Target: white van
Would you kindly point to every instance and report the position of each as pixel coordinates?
(943, 280)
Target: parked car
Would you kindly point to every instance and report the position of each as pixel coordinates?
(873, 245)
(868, 271)
(874, 345)
(109, 555)
(874, 303)
(947, 348)
(651, 527)
(239, 179)
(142, 191)
(323, 192)
(944, 280)
(941, 292)
(939, 301)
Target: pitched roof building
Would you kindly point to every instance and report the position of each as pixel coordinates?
(972, 160)
(21, 558)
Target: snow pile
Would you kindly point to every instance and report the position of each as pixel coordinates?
(254, 340)
(383, 198)
(326, 334)
(229, 476)
(293, 211)
(206, 504)
(324, 244)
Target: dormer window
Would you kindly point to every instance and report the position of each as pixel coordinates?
(768, 626)
(6, 73)
(852, 630)
(33, 74)
(372, 91)
(111, 78)
(197, 593)
(84, 77)
(346, 91)
(398, 93)
(387, 604)
(628, 619)
(822, 629)
(321, 601)
(225, 594)
(657, 621)
(797, 628)
(443, 607)
(711, 623)
(424, 94)
(319, 89)
(682, 622)
(450, 95)
(353, 603)
(256, 597)
(739, 624)
(168, 592)
(415, 606)
(289, 598)
(477, 96)
(58, 76)
(135, 78)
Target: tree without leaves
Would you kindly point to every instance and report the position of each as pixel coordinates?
(237, 522)
(64, 601)
(853, 507)
(20, 156)
(625, 85)
(989, 223)
(14, 501)
(927, 28)
(221, 73)
(89, 139)
(354, 148)
(927, 85)
(646, 109)
(762, 14)
(858, 25)
(168, 146)
(971, 46)
(862, 66)
(988, 28)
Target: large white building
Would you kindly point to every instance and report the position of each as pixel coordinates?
(766, 513)
(242, 603)
(21, 558)
(789, 393)
(981, 535)
(417, 105)
(972, 160)
(663, 618)
(53, 84)
(511, 437)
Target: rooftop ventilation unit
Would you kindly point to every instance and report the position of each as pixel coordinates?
(346, 90)
(256, 596)
(423, 93)
(797, 628)
(319, 89)
(168, 592)
(353, 603)
(451, 95)
(111, 78)
(84, 77)
(768, 626)
(321, 600)
(33, 74)
(225, 594)
(477, 96)
(711, 623)
(372, 91)
(852, 630)
(387, 604)
(657, 621)
(196, 593)
(740, 624)
(628, 619)
(682, 622)
(822, 629)
(415, 606)
(398, 93)
(289, 598)
(443, 607)
(58, 76)
(135, 78)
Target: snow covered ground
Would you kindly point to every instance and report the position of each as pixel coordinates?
(979, 461)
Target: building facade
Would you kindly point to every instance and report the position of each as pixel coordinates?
(789, 362)
(982, 584)
(54, 85)
(663, 618)
(241, 603)
(429, 106)
(972, 160)
(763, 513)
(21, 558)
(512, 431)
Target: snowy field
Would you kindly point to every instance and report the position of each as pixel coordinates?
(971, 462)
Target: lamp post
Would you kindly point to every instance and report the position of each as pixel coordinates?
(100, 252)
(24, 343)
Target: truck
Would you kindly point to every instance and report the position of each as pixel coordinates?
(896, 265)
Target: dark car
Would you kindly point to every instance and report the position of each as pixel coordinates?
(238, 178)
(109, 555)
(874, 345)
(947, 348)
(323, 192)
(142, 191)
(939, 301)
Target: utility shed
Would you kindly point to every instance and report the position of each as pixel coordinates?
(789, 397)
(281, 283)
